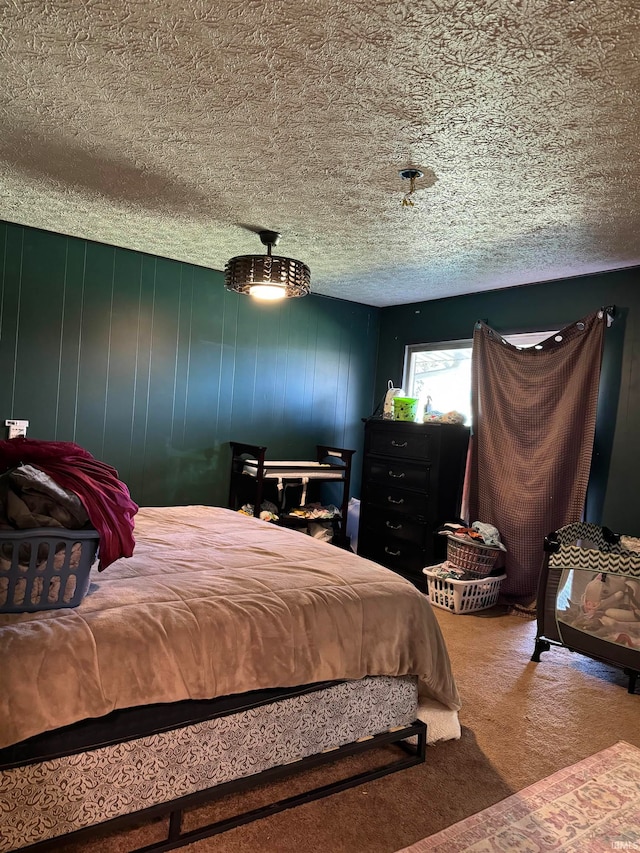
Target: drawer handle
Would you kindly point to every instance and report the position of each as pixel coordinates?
(395, 443)
(390, 552)
(393, 526)
(392, 501)
(396, 476)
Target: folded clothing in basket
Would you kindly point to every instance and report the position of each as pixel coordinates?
(105, 498)
(458, 595)
(450, 570)
(47, 545)
(480, 532)
(30, 498)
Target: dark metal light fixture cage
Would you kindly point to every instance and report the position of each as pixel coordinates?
(267, 276)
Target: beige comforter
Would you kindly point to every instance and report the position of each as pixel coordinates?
(213, 603)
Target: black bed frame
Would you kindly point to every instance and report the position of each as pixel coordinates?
(177, 837)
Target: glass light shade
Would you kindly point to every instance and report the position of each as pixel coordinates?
(267, 291)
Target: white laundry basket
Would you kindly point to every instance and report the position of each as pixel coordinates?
(462, 596)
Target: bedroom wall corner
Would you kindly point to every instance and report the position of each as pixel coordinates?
(551, 305)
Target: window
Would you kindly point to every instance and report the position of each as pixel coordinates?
(439, 374)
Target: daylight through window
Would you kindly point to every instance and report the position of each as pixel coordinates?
(439, 374)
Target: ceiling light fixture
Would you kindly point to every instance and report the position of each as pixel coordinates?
(267, 276)
(410, 175)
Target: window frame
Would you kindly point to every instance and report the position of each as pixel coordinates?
(408, 371)
(521, 339)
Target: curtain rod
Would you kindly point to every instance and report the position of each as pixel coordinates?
(609, 310)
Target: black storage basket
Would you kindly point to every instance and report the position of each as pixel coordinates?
(45, 568)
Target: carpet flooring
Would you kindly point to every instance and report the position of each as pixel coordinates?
(521, 722)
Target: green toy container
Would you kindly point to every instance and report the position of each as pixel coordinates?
(405, 408)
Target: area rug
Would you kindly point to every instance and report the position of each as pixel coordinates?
(591, 807)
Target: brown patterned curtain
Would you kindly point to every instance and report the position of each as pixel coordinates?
(534, 415)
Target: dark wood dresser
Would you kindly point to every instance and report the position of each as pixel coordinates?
(412, 480)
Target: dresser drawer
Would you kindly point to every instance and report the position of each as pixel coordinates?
(397, 500)
(402, 443)
(393, 553)
(381, 521)
(399, 474)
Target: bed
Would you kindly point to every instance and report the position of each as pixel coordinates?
(222, 651)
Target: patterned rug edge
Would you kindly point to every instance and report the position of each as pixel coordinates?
(516, 814)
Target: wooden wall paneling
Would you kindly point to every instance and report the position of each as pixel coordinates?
(70, 342)
(117, 446)
(12, 242)
(94, 348)
(137, 431)
(156, 479)
(246, 366)
(294, 440)
(311, 379)
(39, 331)
(280, 359)
(327, 388)
(266, 379)
(183, 282)
(226, 378)
(196, 456)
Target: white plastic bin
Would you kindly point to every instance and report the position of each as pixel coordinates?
(462, 596)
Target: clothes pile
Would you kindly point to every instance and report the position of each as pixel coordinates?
(268, 511)
(479, 533)
(60, 484)
(316, 510)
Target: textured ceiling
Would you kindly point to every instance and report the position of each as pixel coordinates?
(180, 127)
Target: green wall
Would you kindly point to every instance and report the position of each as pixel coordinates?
(154, 367)
(613, 491)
